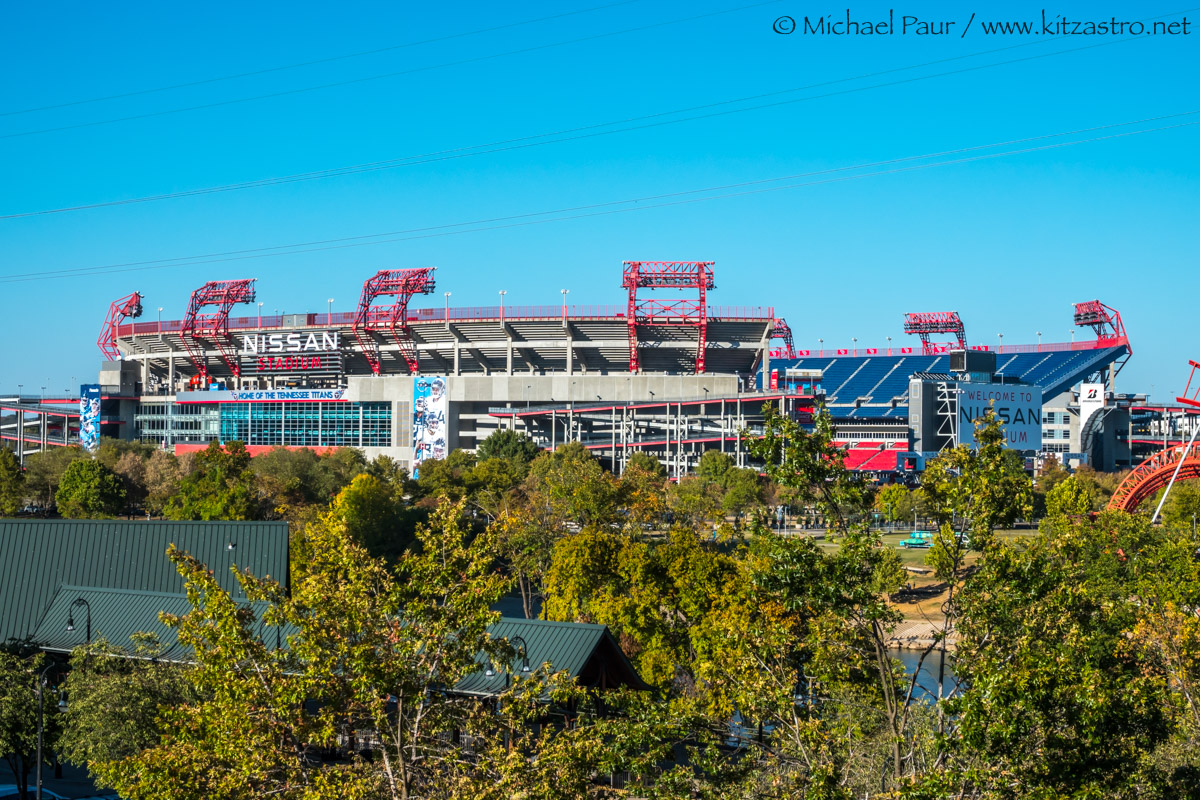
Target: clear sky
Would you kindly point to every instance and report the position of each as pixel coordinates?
(1009, 242)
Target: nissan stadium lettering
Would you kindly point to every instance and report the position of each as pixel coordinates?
(324, 342)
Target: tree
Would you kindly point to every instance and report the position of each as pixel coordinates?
(220, 486)
(448, 477)
(895, 501)
(12, 483)
(371, 655)
(743, 491)
(643, 491)
(375, 518)
(573, 486)
(116, 698)
(88, 490)
(1182, 508)
(19, 714)
(44, 471)
(510, 445)
(1069, 496)
(1059, 700)
(713, 465)
(131, 469)
(163, 474)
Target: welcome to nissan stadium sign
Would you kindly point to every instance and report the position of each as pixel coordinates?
(312, 353)
(1019, 408)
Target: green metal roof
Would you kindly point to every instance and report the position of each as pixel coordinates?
(39, 556)
(588, 653)
(117, 614)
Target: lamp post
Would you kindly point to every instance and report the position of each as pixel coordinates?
(854, 339)
(889, 345)
(820, 346)
(1000, 336)
(329, 315)
(160, 308)
(446, 316)
(79, 601)
(40, 688)
(1072, 336)
(502, 293)
(260, 313)
(1039, 335)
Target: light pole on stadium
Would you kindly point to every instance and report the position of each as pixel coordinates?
(855, 340)
(1000, 336)
(502, 293)
(160, 308)
(329, 315)
(446, 316)
(889, 345)
(260, 313)
(1039, 335)
(564, 293)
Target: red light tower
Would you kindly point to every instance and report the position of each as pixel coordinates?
(128, 307)
(782, 331)
(215, 326)
(929, 322)
(687, 312)
(400, 283)
(1104, 320)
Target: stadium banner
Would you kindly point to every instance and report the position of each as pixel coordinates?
(89, 417)
(429, 420)
(1019, 408)
(261, 396)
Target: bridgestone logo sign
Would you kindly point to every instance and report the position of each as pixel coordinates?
(312, 353)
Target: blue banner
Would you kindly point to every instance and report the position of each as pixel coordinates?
(89, 417)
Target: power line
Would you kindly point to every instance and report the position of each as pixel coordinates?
(283, 67)
(381, 76)
(582, 132)
(602, 209)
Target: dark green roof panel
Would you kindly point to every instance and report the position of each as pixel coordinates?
(38, 556)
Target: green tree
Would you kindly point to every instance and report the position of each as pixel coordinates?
(713, 465)
(743, 491)
(117, 696)
(163, 474)
(371, 655)
(12, 483)
(44, 471)
(509, 445)
(446, 477)
(895, 502)
(1069, 496)
(1060, 700)
(88, 490)
(19, 714)
(573, 486)
(375, 518)
(1182, 508)
(221, 485)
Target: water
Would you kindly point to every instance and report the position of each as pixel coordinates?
(927, 678)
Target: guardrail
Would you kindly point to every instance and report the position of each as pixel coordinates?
(344, 319)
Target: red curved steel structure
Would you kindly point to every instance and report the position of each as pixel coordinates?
(1155, 472)
(1151, 475)
(403, 284)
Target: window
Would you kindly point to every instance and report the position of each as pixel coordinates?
(307, 424)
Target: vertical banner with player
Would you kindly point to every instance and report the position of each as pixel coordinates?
(89, 417)
(429, 420)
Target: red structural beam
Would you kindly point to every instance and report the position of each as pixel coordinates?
(128, 307)
(214, 326)
(1104, 320)
(1191, 396)
(925, 323)
(402, 284)
(782, 331)
(678, 275)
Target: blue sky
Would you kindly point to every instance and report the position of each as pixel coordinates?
(1009, 242)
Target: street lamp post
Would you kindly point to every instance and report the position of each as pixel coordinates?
(40, 687)
(1039, 335)
(79, 601)
(446, 316)
(329, 315)
(260, 313)
(1000, 336)
(502, 293)
(564, 293)
(854, 339)
(160, 308)
(889, 345)
(820, 346)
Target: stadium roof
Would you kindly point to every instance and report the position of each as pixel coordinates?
(37, 557)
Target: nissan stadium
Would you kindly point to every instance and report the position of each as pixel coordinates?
(665, 373)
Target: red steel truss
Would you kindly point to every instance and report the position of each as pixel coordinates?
(402, 284)
(782, 331)
(1153, 474)
(1191, 396)
(928, 322)
(684, 311)
(128, 307)
(214, 326)
(1104, 320)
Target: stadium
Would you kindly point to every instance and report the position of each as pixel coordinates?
(665, 373)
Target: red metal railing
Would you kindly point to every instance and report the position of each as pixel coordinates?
(343, 319)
